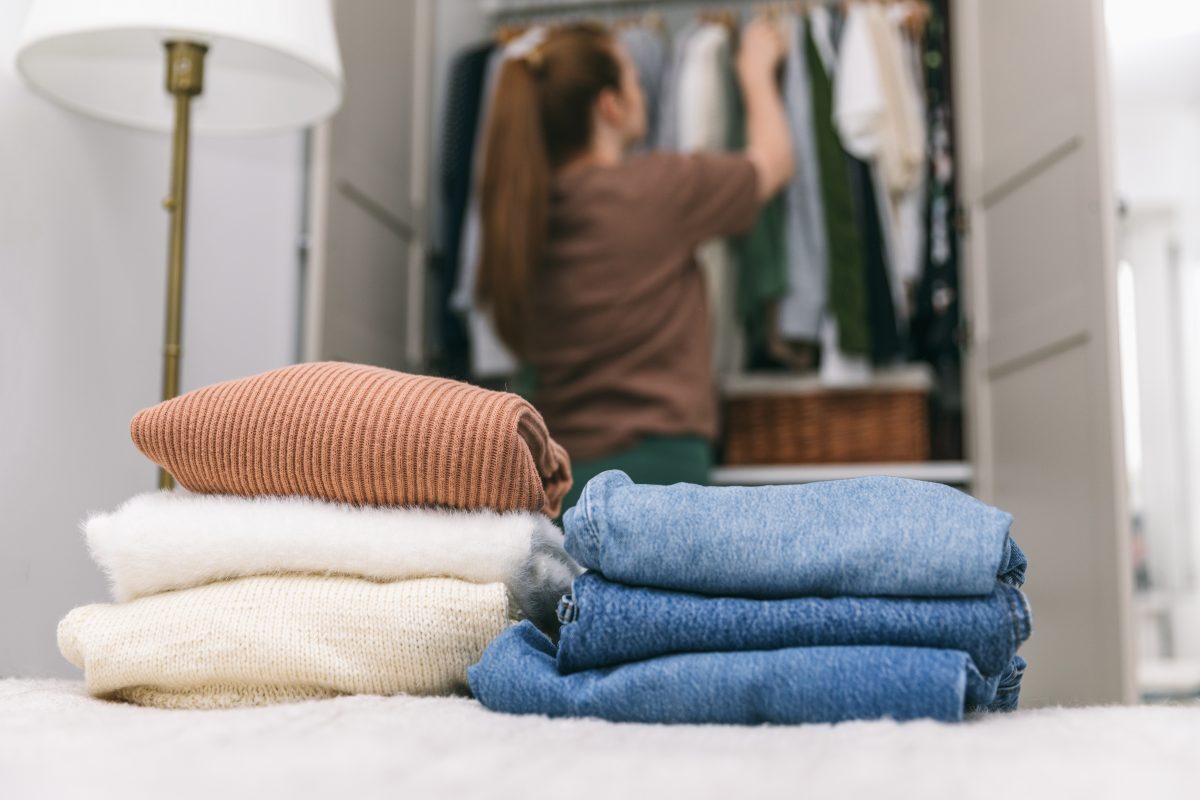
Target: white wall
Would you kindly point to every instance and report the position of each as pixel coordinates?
(82, 281)
(1158, 164)
(1158, 175)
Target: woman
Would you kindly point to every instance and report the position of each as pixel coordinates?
(587, 264)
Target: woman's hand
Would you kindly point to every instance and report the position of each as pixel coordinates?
(768, 140)
(762, 48)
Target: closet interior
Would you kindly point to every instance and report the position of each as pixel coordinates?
(837, 328)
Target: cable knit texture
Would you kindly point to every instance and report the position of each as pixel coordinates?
(358, 434)
(253, 641)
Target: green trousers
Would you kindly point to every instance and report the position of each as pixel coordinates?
(654, 459)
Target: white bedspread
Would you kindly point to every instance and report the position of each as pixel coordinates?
(57, 742)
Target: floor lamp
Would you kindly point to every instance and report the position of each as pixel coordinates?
(242, 66)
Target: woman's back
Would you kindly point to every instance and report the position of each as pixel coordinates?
(587, 265)
(618, 325)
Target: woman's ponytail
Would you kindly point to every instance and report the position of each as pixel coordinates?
(514, 200)
(541, 118)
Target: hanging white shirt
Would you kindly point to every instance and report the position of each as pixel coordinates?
(703, 116)
(880, 121)
(910, 205)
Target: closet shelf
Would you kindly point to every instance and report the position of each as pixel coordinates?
(958, 473)
(910, 377)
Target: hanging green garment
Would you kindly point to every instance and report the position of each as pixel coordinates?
(847, 262)
(762, 252)
(762, 269)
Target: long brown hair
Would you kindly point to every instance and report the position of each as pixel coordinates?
(541, 117)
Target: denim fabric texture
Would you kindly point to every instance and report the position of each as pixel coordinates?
(611, 623)
(1008, 687)
(874, 536)
(825, 602)
(519, 675)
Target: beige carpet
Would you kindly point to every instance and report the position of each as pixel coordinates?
(55, 742)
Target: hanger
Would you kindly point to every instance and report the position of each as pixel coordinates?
(771, 12)
(915, 17)
(510, 31)
(918, 19)
(727, 18)
(651, 20)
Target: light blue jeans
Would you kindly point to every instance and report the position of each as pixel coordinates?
(869, 537)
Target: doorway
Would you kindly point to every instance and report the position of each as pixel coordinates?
(1154, 53)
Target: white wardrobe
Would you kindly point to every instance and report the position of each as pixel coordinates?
(1036, 163)
(368, 237)
(1035, 175)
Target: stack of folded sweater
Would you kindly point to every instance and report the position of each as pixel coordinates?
(354, 530)
(853, 599)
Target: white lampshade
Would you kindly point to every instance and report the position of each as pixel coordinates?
(271, 64)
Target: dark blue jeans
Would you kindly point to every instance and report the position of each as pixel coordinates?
(518, 675)
(608, 623)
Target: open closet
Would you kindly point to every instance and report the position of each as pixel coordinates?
(1002, 378)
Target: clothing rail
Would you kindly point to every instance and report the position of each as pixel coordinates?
(526, 8)
(504, 8)
(527, 11)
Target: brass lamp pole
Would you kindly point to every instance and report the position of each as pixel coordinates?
(81, 54)
(185, 80)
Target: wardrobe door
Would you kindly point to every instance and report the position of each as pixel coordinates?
(368, 182)
(1031, 92)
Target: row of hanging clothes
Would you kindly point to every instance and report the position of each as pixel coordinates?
(851, 267)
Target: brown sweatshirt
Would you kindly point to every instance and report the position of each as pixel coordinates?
(619, 335)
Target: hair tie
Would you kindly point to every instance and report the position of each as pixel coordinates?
(528, 48)
(534, 58)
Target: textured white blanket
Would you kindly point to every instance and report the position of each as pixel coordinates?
(57, 742)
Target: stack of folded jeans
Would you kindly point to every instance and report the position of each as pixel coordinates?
(856, 599)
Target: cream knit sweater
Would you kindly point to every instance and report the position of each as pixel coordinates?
(253, 641)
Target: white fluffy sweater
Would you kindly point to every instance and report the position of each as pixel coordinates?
(253, 641)
(160, 541)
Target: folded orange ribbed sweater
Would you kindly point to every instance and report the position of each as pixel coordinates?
(358, 434)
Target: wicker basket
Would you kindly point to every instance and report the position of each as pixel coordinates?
(782, 420)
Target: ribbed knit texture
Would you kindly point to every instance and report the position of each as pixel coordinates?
(274, 639)
(358, 434)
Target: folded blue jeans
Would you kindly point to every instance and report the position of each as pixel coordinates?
(867, 536)
(607, 623)
(518, 675)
